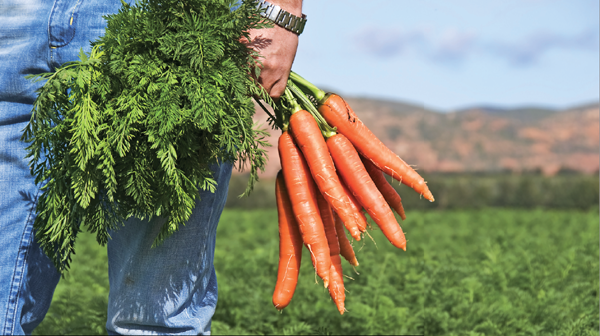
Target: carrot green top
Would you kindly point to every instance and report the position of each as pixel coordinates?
(132, 128)
(305, 102)
(310, 87)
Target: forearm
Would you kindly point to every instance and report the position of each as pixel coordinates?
(277, 46)
(292, 6)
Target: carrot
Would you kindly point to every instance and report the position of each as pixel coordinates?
(328, 224)
(339, 114)
(290, 247)
(388, 192)
(307, 135)
(361, 219)
(336, 278)
(336, 288)
(360, 184)
(302, 192)
(345, 247)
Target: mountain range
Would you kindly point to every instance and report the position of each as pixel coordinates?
(478, 139)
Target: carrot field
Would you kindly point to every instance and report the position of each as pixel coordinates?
(489, 271)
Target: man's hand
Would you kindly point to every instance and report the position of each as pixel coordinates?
(277, 47)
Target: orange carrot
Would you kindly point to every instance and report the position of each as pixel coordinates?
(389, 193)
(345, 247)
(328, 224)
(290, 247)
(338, 114)
(362, 187)
(308, 136)
(336, 288)
(361, 219)
(336, 278)
(302, 192)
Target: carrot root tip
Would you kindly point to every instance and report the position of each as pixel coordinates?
(428, 196)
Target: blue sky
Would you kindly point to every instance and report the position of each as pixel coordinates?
(451, 54)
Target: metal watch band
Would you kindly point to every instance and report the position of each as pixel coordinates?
(282, 18)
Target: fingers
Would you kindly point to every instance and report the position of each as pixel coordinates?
(278, 88)
(277, 46)
(274, 80)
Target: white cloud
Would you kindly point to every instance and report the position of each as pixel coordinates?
(389, 42)
(453, 45)
(530, 49)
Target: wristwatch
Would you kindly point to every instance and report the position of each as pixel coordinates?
(281, 17)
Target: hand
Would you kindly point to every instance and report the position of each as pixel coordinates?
(277, 47)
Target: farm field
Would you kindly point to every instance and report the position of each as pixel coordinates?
(489, 271)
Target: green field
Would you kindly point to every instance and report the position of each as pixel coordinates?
(465, 272)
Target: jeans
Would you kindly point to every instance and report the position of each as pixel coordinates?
(170, 289)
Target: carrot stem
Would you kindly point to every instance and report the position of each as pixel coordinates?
(327, 130)
(295, 107)
(315, 91)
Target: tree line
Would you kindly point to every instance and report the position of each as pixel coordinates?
(464, 191)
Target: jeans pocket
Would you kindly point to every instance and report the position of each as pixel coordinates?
(62, 22)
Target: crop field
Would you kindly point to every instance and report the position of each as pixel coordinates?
(487, 271)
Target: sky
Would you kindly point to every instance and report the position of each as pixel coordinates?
(453, 54)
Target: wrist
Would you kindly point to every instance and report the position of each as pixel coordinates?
(285, 17)
(292, 6)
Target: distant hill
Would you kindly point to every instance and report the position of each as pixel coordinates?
(524, 114)
(480, 138)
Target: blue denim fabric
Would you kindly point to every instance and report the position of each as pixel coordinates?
(171, 288)
(166, 290)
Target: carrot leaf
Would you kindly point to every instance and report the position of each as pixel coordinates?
(132, 128)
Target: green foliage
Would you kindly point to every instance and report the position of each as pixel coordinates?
(512, 272)
(476, 272)
(132, 128)
(377, 301)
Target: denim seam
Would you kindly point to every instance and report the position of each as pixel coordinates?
(50, 26)
(72, 22)
(18, 274)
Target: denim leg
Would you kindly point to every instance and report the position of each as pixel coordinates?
(27, 277)
(171, 288)
(168, 289)
(35, 37)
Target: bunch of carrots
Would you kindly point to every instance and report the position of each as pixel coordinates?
(332, 169)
